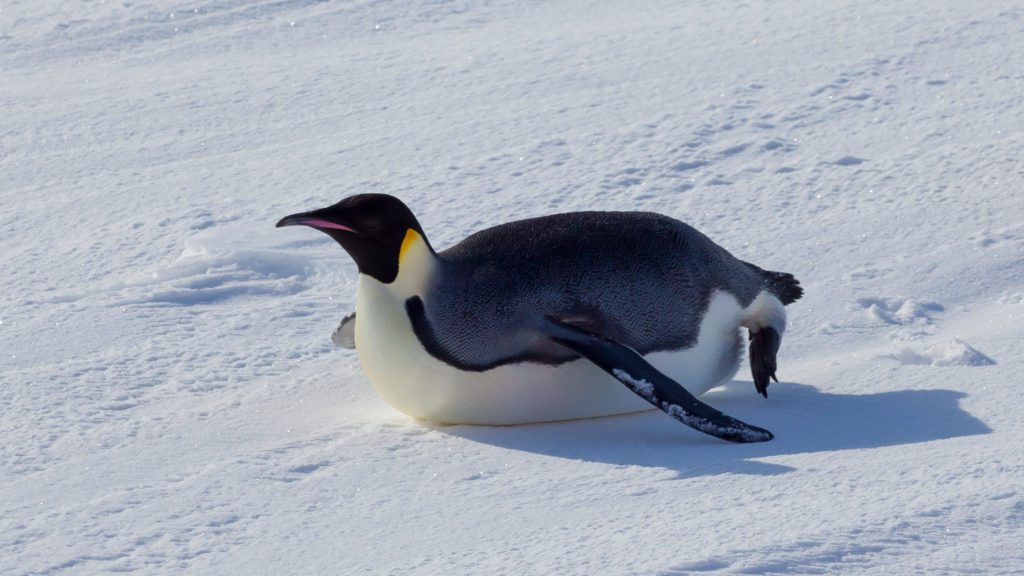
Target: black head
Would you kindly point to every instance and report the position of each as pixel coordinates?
(370, 227)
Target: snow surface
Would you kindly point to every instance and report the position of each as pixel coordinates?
(171, 402)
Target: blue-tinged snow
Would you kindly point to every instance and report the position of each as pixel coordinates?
(170, 398)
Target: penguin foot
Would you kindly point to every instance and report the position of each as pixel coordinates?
(764, 345)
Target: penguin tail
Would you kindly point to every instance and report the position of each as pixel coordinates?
(784, 285)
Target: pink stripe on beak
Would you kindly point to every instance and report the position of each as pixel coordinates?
(317, 222)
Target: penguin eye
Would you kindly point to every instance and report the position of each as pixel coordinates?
(372, 224)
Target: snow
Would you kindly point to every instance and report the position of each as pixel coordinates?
(639, 385)
(172, 403)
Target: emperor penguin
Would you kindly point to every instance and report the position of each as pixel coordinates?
(559, 317)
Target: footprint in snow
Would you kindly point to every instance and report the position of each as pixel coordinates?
(849, 161)
(914, 320)
(955, 352)
(900, 311)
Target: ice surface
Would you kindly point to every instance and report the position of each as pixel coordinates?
(171, 402)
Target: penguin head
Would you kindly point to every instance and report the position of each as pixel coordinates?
(373, 228)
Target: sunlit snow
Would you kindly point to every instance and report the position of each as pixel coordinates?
(171, 399)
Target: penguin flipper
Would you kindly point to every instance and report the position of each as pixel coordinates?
(344, 335)
(629, 367)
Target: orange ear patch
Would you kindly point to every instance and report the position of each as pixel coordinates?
(410, 237)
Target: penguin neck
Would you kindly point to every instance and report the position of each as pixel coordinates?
(417, 265)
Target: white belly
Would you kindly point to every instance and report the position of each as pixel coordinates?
(416, 383)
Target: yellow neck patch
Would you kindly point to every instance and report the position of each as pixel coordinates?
(410, 238)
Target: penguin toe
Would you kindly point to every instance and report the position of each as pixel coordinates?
(761, 381)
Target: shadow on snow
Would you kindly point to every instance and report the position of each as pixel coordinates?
(803, 418)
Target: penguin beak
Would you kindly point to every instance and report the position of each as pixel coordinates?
(312, 220)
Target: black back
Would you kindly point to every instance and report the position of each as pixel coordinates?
(642, 279)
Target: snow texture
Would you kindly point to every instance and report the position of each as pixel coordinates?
(640, 386)
(172, 402)
(709, 427)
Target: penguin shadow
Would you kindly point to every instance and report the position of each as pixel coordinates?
(803, 419)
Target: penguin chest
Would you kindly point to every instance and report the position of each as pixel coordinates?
(406, 376)
(390, 353)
